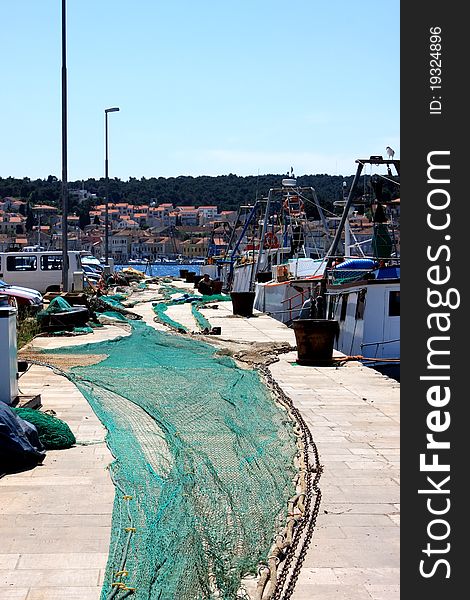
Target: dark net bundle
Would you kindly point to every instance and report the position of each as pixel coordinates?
(54, 434)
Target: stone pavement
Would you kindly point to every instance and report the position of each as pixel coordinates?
(55, 519)
(353, 414)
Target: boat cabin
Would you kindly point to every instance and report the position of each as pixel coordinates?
(368, 312)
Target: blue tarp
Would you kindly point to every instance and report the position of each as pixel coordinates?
(392, 272)
(20, 447)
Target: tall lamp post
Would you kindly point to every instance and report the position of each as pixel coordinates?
(106, 174)
(64, 190)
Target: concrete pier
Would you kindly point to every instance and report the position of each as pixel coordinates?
(55, 519)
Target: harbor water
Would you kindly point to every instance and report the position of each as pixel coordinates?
(161, 269)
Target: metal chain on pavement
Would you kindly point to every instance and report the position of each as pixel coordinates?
(294, 554)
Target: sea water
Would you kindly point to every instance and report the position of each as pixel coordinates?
(161, 270)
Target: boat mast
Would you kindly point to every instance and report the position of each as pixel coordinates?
(241, 236)
(334, 246)
(264, 230)
(347, 225)
(373, 160)
(321, 214)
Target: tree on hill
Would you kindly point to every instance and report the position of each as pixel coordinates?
(227, 192)
(84, 220)
(82, 210)
(30, 220)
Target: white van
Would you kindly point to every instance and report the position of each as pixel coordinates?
(41, 271)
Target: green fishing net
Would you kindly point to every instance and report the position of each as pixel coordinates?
(74, 331)
(114, 315)
(200, 319)
(197, 301)
(53, 433)
(160, 309)
(347, 276)
(204, 465)
(57, 304)
(169, 290)
(115, 300)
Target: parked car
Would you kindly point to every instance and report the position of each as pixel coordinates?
(91, 274)
(21, 297)
(92, 262)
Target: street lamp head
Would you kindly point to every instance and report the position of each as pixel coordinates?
(114, 109)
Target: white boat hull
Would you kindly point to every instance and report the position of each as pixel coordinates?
(369, 319)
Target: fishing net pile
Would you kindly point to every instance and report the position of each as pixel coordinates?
(57, 304)
(54, 434)
(204, 465)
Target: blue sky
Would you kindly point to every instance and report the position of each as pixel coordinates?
(205, 87)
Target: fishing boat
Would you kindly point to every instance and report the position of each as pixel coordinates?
(361, 292)
(283, 296)
(291, 278)
(276, 237)
(366, 303)
(363, 295)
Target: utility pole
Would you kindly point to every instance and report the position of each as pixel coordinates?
(65, 257)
